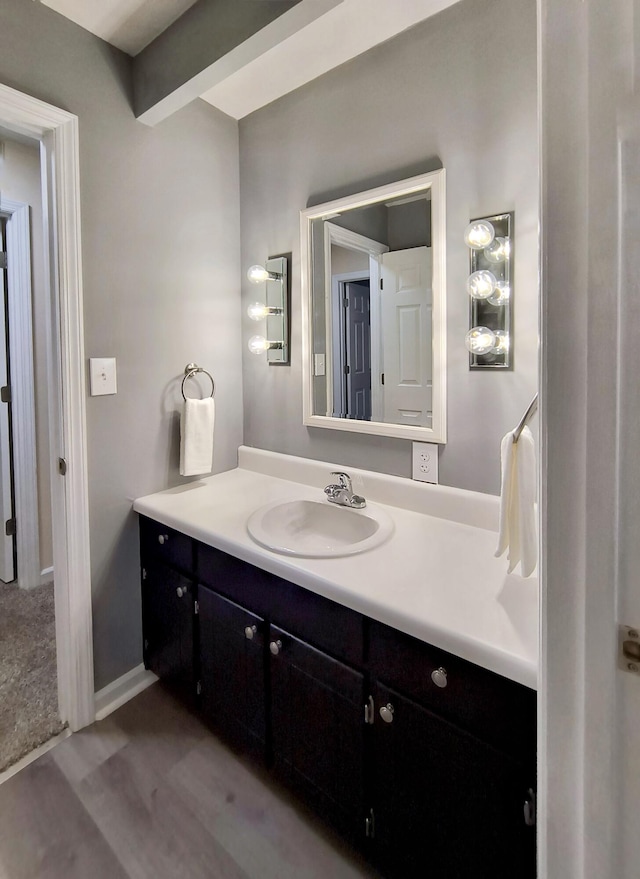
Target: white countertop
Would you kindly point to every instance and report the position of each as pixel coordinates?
(435, 578)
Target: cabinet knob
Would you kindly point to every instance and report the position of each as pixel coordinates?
(386, 712)
(439, 677)
(249, 632)
(163, 538)
(181, 590)
(275, 647)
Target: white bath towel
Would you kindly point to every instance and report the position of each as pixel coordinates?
(196, 437)
(517, 502)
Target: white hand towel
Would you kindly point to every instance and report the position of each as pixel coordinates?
(196, 437)
(517, 502)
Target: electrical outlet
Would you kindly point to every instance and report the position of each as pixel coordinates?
(424, 462)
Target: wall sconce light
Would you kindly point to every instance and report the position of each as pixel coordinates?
(490, 287)
(275, 309)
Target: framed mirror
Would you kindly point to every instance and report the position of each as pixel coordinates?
(374, 316)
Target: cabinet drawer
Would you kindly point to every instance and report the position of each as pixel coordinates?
(496, 709)
(330, 627)
(160, 543)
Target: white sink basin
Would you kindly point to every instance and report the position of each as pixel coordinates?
(318, 529)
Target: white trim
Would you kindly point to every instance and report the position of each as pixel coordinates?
(437, 433)
(32, 756)
(23, 404)
(122, 689)
(57, 131)
(46, 575)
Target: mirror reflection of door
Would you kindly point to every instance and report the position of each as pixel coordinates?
(357, 342)
(406, 307)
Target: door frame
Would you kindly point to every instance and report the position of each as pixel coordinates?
(57, 131)
(22, 384)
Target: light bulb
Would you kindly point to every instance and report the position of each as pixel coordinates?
(258, 344)
(502, 342)
(479, 234)
(480, 285)
(480, 340)
(498, 250)
(500, 295)
(257, 311)
(257, 274)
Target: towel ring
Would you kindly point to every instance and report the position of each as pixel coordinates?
(191, 370)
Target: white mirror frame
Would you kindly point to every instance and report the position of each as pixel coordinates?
(437, 433)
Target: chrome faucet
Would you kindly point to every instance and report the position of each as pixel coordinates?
(342, 493)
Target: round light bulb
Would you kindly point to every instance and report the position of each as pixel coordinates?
(502, 342)
(257, 311)
(258, 344)
(480, 340)
(479, 234)
(480, 285)
(500, 295)
(498, 250)
(257, 274)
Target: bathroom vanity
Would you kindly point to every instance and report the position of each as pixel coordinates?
(423, 759)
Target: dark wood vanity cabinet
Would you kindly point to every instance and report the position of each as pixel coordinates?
(318, 730)
(423, 760)
(168, 606)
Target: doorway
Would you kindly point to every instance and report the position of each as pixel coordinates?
(57, 134)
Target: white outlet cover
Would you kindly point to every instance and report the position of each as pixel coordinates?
(102, 376)
(424, 462)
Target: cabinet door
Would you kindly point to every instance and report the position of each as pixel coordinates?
(232, 670)
(446, 805)
(167, 618)
(317, 715)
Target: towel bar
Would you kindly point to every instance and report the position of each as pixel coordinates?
(533, 405)
(192, 369)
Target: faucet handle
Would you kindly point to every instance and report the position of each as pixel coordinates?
(344, 479)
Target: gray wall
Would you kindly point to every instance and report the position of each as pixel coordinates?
(437, 95)
(20, 181)
(160, 237)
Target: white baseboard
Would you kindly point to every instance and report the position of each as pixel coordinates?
(122, 689)
(46, 576)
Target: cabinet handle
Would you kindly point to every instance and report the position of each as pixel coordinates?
(275, 647)
(181, 590)
(439, 677)
(163, 538)
(249, 632)
(386, 712)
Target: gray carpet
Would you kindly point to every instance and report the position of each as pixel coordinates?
(28, 681)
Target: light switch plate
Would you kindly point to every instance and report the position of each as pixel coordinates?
(102, 376)
(318, 364)
(424, 462)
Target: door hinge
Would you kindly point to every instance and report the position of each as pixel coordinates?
(347, 369)
(3, 259)
(62, 467)
(146, 643)
(196, 607)
(199, 688)
(5, 394)
(10, 527)
(370, 825)
(629, 648)
(345, 303)
(382, 377)
(381, 284)
(369, 710)
(530, 809)
(144, 573)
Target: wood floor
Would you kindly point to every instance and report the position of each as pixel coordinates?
(150, 793)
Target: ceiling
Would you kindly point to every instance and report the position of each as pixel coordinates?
(345, 31)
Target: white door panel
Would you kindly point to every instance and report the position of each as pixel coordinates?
(406, 307)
